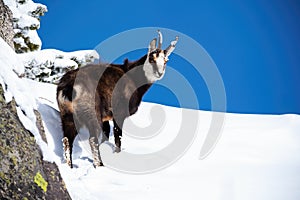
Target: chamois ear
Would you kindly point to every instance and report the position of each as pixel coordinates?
(152, 46)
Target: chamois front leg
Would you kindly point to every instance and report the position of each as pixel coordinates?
(67, 151)
(97, 162)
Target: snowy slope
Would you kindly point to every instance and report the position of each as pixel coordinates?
(257, 156)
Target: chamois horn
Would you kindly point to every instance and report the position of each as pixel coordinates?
(160, 39)
(171, 47)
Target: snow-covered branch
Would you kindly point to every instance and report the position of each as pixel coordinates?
(50, 64)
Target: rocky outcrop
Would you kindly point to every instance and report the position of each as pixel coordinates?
(23, 172)
(19, 21)
(6, 31)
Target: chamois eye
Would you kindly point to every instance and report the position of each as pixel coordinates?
(152, 57)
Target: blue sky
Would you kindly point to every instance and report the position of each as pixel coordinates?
(254, 43)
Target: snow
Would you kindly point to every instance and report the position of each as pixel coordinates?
(13, 86)
(26, 8)
(48, 65)
(26, 20)
(25, 13)
(32, 35)
(21, 42)
(257, 156)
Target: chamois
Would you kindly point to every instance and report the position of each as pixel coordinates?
(96, 93)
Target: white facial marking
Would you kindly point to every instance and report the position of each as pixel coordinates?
(148, 69)
(155, 73)
(160, 61)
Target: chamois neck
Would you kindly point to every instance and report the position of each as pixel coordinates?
(138, 63)
(136, 71)
(137, 74)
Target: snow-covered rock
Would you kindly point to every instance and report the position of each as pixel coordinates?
(41, 65)
(26, 15)
(10, 69)
(6, 27)
(27, 170)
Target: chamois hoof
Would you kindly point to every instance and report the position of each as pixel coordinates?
(96, 165)
(117, 149)
(70, 164)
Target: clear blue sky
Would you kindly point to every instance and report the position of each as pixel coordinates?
(254, 43)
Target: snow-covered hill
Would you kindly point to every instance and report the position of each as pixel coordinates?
(257, 156)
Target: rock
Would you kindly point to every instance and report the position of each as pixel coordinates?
(6, 24)
(23, 173)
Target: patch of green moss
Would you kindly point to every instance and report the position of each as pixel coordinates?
(4, 178)
(14, 160)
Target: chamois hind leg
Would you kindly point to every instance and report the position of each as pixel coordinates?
(95, 130)
(106, 131)
(70, 133)
(118, 134)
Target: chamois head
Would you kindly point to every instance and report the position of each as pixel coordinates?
(157, 58)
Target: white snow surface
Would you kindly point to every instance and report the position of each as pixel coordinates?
(59, 57)
(257, 156)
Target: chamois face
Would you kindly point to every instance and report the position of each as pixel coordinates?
(157, 58)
